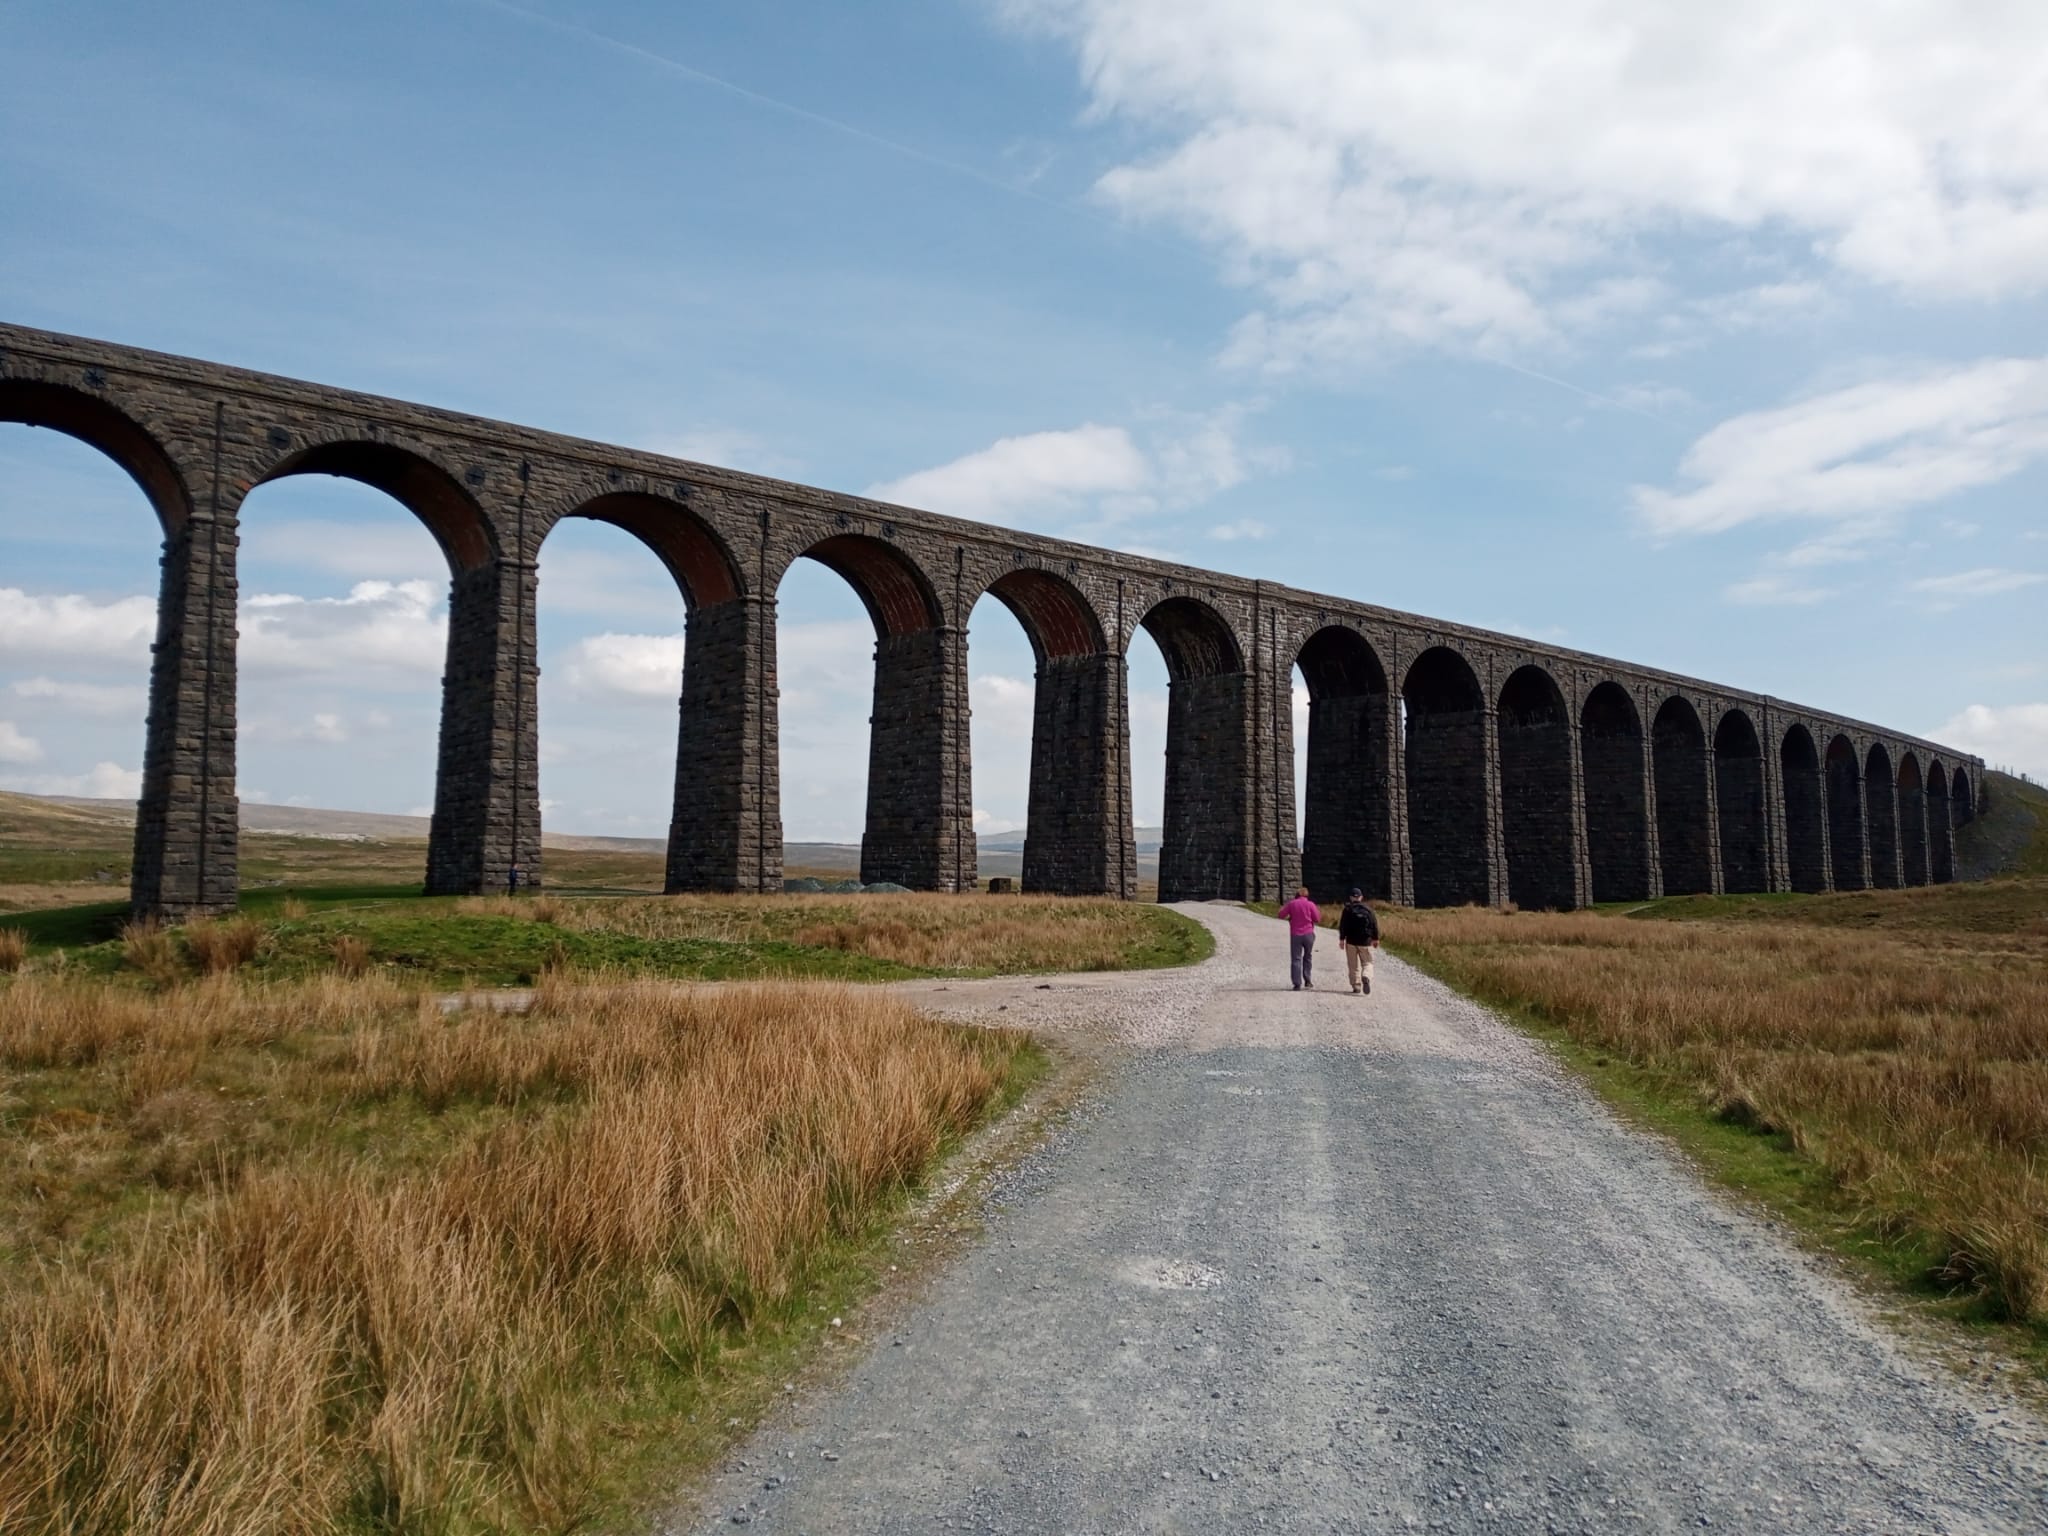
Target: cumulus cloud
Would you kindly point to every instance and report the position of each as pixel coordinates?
(1382, 173)
(16, 746)
(627, 666)
(1987, 581)
(1862, 454)
(2014, 736)
(1775, 589)
(102, 781)
(1243, 528)
(98, 699)
(1035, 471)
(72, 628)
(399, 626)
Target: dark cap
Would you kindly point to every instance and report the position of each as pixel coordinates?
(1357, 894)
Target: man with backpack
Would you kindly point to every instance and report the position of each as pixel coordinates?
(1358, 930)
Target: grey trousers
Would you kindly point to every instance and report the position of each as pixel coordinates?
(1301, 957)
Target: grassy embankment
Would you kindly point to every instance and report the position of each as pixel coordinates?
(1872, 1065)
(315, 1256)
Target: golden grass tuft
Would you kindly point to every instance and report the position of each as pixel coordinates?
(13, 950)
(437, 1330)
(1911, 1066)
(217, 945)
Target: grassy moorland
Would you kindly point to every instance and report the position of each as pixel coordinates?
(316, 1256)
(488, 941)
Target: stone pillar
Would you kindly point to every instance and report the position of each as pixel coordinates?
(1077, 839)
(1347, 837)
(1617, 809)
(487, 788)
(725, 833)
(1204, 847)
(1941, 847)
(1273, 864)
(1881, 815)
(1495, 874)
(920, 828)
(186, 821)
(1716, 870)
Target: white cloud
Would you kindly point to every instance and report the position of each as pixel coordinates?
(401, 626)
(630, 666)
(1863, 454)
(1036, 471)
(1776, 590)
(726, 448)
(2015, 736)
(103, 781)
(74, 628)
(101, 699)
(1243, 528)
(1987, 581)
(1490, 175)
(16, 746)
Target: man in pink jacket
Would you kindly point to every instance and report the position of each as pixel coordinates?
(1302, 916)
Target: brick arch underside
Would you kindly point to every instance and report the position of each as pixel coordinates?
(1444, 751)
(1536, 791)
(894, 591)
(1806, 843)
(418, 484)
(1208, 752)
(1617, 806)
(1685, 837)
(1912, 821)
(33, 403)
(1941, 846)
(1846, 830)
(1739, 802)
(703, 569)
(1881, 817)
(1347, 812)
(1058, 621)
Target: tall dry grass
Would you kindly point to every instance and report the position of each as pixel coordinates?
(424, 1299)
(1912, 1067)
(932, 932)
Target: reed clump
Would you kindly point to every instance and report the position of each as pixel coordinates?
(1906, 1059)
(408, 1270)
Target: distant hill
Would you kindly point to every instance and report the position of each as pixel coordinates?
(2010, 837)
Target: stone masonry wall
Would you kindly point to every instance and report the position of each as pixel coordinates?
(1203, 853)
(1347, 830)
(1078, 830)
(920, 823)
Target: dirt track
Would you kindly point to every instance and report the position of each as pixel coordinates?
(1320, 1263)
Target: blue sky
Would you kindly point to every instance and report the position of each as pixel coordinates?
(1712, 339)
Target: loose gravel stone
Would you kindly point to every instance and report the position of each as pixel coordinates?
(1449, 1292)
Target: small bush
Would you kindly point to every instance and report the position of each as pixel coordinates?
(293, 910)
(13, 949)
(147, 948)
(218, 947)
(351, 954)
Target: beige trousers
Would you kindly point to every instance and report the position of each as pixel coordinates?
(1357, 961)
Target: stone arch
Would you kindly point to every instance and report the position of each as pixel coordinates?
(1912, 821)
(101, 425)
(1077, 827)
(1617, 810)
(411, 479)
(1843, 780)
(1208, 752)
(1685, 835)
(1806, 848)
(919, 830)
(1347, 828)
(1881, 816)
(1739, 803)
(690, 549)
(1056, 616)
(1444, 747)
(1536, 790)
(1941, 847)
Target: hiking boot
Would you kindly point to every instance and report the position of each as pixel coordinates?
(1368, 983)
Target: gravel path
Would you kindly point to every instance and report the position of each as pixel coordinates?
(1321, 1263)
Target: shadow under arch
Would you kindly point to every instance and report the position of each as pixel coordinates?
(1962, 795)
(1534, 732)
(1846, 830)
(713, 843)
(1077, 822)
(1444, 748)
(1806, 850)
(919, 830)
(1912, 821)
(1941, 847)
(1347, 810)
(1881, 817)
(106, 427)
(1612, 768)
(1739, 802)
(1206, 820)
(1685, 805)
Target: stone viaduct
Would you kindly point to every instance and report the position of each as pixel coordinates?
(1445, 764)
